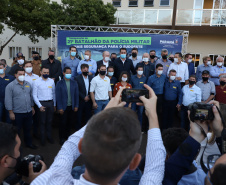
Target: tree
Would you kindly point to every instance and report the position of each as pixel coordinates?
(34, 18)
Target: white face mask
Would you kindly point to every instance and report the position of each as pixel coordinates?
(28, 69)
(107, 59)
(189, 60)
(176, 60)
(219, 64)
(172, 77)
(140, 72)
(1, 71)
(124, 79)
(86, 57)
(160, 72)
(21, 78)
(145, 59)
(209, 62)
(20, 62)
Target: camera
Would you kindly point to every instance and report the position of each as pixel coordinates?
(132, 95)
(23, 167)
(201, 111)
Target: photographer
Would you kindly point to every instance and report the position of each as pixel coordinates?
(10, 156)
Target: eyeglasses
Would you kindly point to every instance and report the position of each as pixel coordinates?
(211, 159)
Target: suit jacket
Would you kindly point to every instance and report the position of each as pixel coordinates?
(62, 95)
(127, 66)
(82, 87)
(100, 62)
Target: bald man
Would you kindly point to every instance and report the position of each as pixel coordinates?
(105, 61)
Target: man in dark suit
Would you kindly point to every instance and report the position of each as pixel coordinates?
(105, 61)
(67, 97)
(85, 103)
(123, 64)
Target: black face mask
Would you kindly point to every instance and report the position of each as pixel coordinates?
(164, 57)
(152, 56)
(85, 73)
(36, 58)
(134, 55)
(18, 162)
(191, 82)
(205, 79)
(51, 57)
(222, 83)
(102, 73)
(113, 59)
(171, 59)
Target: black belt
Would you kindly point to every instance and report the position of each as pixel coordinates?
(46, 100)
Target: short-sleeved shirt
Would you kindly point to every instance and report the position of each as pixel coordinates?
(172, 90)
(3, 83)
(138, 83)
(220, 94)
(191, 95)
(118, 86)
(101, 87)
(165, 65)
(207, 89)
(200, 69)
(157, 83)
(72, 63)
(215, 72)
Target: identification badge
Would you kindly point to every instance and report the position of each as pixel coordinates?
(112, 84)
(33, 79)
(141, 82)
(27, 86)
(174, 87)
(7, 79)
(192, 90)
(167, 65)
(90, 65)
(224, 91)
(50, 87)
(221, 69)
(105, 80)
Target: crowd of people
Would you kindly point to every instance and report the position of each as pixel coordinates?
(31, 91)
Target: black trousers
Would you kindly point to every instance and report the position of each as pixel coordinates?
(66, 122)
(169, 108)
(46, 119)
(185, 123)
(36, 121)
(86, 108)
(159, 108)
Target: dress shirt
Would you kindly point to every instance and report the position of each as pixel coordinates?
(60, 171)
(138, 83)
(86, 81)
(3, 83)
(191, 95)
(200, 69)
(220, 94)
(18, 98)
(106, 64)
(181, 69)
(43, 90)
(165, 65)
(136, 61)
(31, 78)
(72, 63)
(92, 66)
(172, 90)
(101, 87)
(207, 89)
(215, 72)
(157, 83)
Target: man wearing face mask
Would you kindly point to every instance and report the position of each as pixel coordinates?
(191, 66)
(29, 75)
(190, 94)
(100, 85)
(44, 98)
(54, 66)
(172, 97)
(181, 69)
(71, 61)
(221, 90)
(113, 57)
(149, 68)
(137, 82)
(171, 57)
(207, 87)
(7, 68)
(164, 61)
(105, 61)
(36, 63)
(5, 79)
(205, 66)
(67, 98)
(110, 73)
(20, 62)
(218, 70)
(85, 103)
(135, 58)
(19, 103)
(87, 60)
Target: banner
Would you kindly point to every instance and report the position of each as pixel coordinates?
(98, 42)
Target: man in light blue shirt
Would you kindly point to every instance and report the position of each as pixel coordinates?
(135, 59)
(92, 64)
(71, 61)
(205, 66)
(164, 61)
(218, 70)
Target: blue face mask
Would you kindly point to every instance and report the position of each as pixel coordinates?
(45, 76)
(110, 73)
(73, 53)
(123, 56)
(68, 76)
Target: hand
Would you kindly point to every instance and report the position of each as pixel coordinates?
(116, 101)
(95, 105)
(90, 73)
(61, 111)
(54, 108)
(86, 98)
(178, 107)
(42, 109)
(178, 78)
(32, 174)
(33, 111)
(75, 109)
(12, 116)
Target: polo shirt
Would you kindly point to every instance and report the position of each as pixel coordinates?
(138, 83)
(101, 87)
(181, 69)
(92, 66)
(72, 63)
(215, 72)
(172, 90)
(200, 69)
(191, 95)
(3, 83)
(220, 94)
(157, 83)
(165, 65)
(207, 89)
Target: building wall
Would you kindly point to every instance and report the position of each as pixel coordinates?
(185, 4)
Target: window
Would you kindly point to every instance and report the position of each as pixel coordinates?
(196, 58)
(214, 57)
(116, 3)
(13, 51)
(148, 2)
(164, 2)
(133, 2)
(30, 49)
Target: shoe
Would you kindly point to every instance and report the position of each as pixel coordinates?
(50, 140)
(32, 146)
(43, 142)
